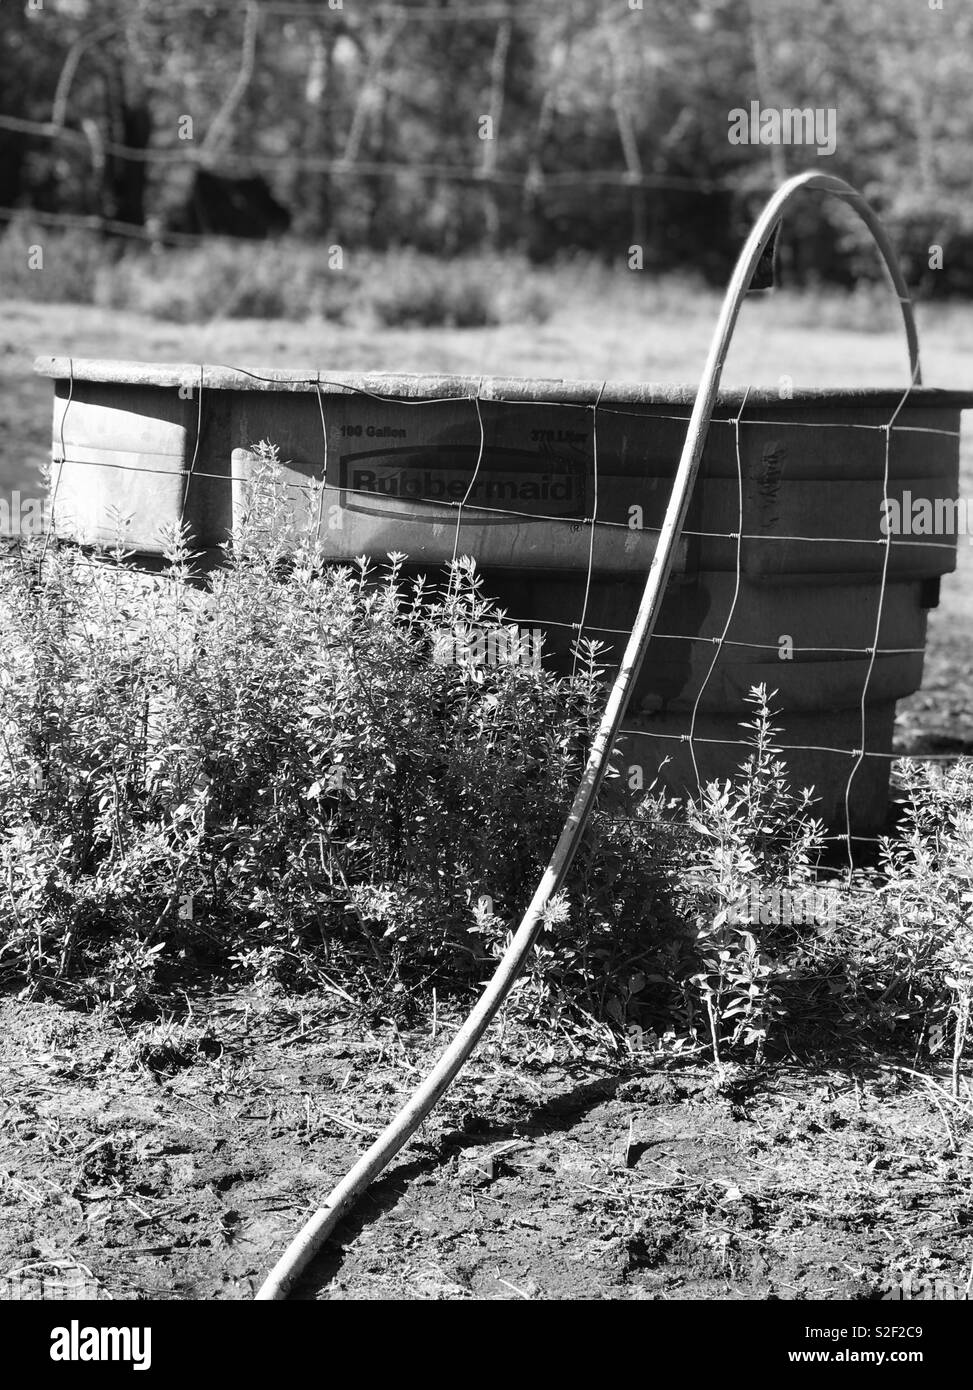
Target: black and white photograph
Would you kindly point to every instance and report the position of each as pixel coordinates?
(486, 668)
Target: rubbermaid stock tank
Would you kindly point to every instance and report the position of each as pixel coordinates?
(525, 467)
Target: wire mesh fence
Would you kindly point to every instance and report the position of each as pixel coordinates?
(468, 518)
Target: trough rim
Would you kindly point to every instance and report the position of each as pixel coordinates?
(445, 386)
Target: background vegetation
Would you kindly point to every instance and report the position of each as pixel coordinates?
(609, 123)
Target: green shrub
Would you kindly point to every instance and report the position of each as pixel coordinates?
(891, 958)
(278, 762)
(755, 837)
(927, 901)
(279, 773)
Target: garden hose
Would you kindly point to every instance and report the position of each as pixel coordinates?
(312, 1236)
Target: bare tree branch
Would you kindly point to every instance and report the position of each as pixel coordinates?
(216, 135)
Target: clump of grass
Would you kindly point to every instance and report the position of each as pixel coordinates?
(170, 1045)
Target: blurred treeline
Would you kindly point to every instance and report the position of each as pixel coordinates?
(360, 124)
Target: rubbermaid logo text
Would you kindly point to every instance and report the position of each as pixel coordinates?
(449, 486)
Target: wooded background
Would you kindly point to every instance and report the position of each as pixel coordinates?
(361, 124)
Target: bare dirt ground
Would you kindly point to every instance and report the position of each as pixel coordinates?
(177, 1162)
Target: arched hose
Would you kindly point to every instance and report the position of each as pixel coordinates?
(312, 1236)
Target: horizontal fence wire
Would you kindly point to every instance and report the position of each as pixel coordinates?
(94, 222)
(581, 625)
(189, 154)
(898, 542)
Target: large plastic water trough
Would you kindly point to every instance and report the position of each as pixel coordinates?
(533, 462)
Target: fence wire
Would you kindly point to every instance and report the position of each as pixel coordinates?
(580, 626)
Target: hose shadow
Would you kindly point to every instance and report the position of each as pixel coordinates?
(555, 1114)
(522, 1118)
(382, 1197)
